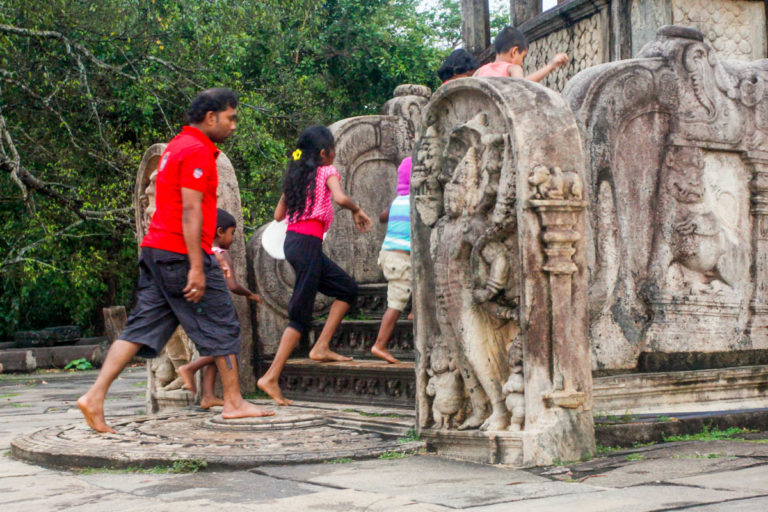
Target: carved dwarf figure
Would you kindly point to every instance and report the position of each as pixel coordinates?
(445, 387)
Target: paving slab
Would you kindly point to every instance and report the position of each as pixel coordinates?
(348, 500)
(643, 498)
(754, 479)
(430, 479)
(738, 505)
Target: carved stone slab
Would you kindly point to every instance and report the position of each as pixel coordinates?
(499, 258)
(676, 144)
(163, 383)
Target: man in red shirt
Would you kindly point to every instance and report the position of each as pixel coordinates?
(180, 281)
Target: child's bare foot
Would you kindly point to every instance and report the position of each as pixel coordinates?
(327, 355)
(384, 354)
(189, 379)
(94, 414)
(273, 390)
(210, 401)
(245, 410)
(410, 315)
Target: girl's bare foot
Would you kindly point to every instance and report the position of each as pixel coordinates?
(210, 401)
(94, 414)
(384, 354)
(273, 390)
(245, 410)
(189, 379)
(410, 315)
(327, 355)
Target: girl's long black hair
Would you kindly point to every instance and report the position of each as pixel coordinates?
(300, 177)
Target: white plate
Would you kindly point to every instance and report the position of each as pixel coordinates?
(273, 239)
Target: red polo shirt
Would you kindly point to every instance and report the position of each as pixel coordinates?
(189, 161)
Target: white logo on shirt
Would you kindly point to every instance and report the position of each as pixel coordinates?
(197, 173)
(163, 162)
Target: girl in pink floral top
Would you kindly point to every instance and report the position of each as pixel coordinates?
(309, 184)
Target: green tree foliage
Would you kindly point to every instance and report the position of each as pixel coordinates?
(86, 87)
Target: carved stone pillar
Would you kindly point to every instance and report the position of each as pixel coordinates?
(757, 163)
(521, 11)
(475, 25)
(558, 218)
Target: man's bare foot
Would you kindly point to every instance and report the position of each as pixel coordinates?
(273, 390)
(189, 379)
(210, 401)
(327, 355)
(94, 415)
(245, 410)
(384, 354)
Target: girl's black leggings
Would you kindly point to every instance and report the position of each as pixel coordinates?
(315, 272)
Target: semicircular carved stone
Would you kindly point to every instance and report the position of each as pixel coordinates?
(164, 383)
(499, 258)
(408, 101)
(677, 155)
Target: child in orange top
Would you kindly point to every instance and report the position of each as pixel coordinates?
(511, 48)
(225, 232)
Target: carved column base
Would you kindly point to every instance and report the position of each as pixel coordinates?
(477, 446)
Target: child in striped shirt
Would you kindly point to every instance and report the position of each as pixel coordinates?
(395, 260)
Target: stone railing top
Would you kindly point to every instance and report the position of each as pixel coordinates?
(561, 16)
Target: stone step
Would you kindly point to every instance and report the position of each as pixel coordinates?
(355, 382)
(27, 360)
(355, 338)
(371, 302)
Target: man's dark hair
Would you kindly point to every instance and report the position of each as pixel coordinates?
(217, 99)
(458, 62)
(508, 38)
(224, 219)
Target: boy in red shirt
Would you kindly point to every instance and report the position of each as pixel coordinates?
(511, 49)
(180, 280)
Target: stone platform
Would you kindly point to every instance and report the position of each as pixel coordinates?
(293, 435)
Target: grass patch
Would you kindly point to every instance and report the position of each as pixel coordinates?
(701, 456)
(635, 456)
(7, 453)
(141, 412)
(665, 419)
(601, 450)
(394, 455)
(340, 460)
(19, 405)
(9, 395)
(708, 434)
(141, 384)
(257, 395)
(178, 467)
(374, 414)
(410, 437)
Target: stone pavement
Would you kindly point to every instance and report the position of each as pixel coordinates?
(724, 475)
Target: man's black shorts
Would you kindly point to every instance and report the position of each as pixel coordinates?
(211, 324)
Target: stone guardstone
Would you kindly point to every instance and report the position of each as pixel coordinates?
(677, 172)
(369, 150)
(408, 102)
(164, 386)
(499, 258)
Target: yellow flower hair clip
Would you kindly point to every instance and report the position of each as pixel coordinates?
(297, 155)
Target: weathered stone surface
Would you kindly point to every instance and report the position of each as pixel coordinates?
(292, 435)
(115, 318)
(163, 378)
(18, 360)
(687, 391)
(407, 103)
(676, 158)
(498, 234)
(61, 335)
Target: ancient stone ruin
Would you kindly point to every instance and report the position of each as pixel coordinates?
(500, 275)
(164, 386)
(676, 164)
